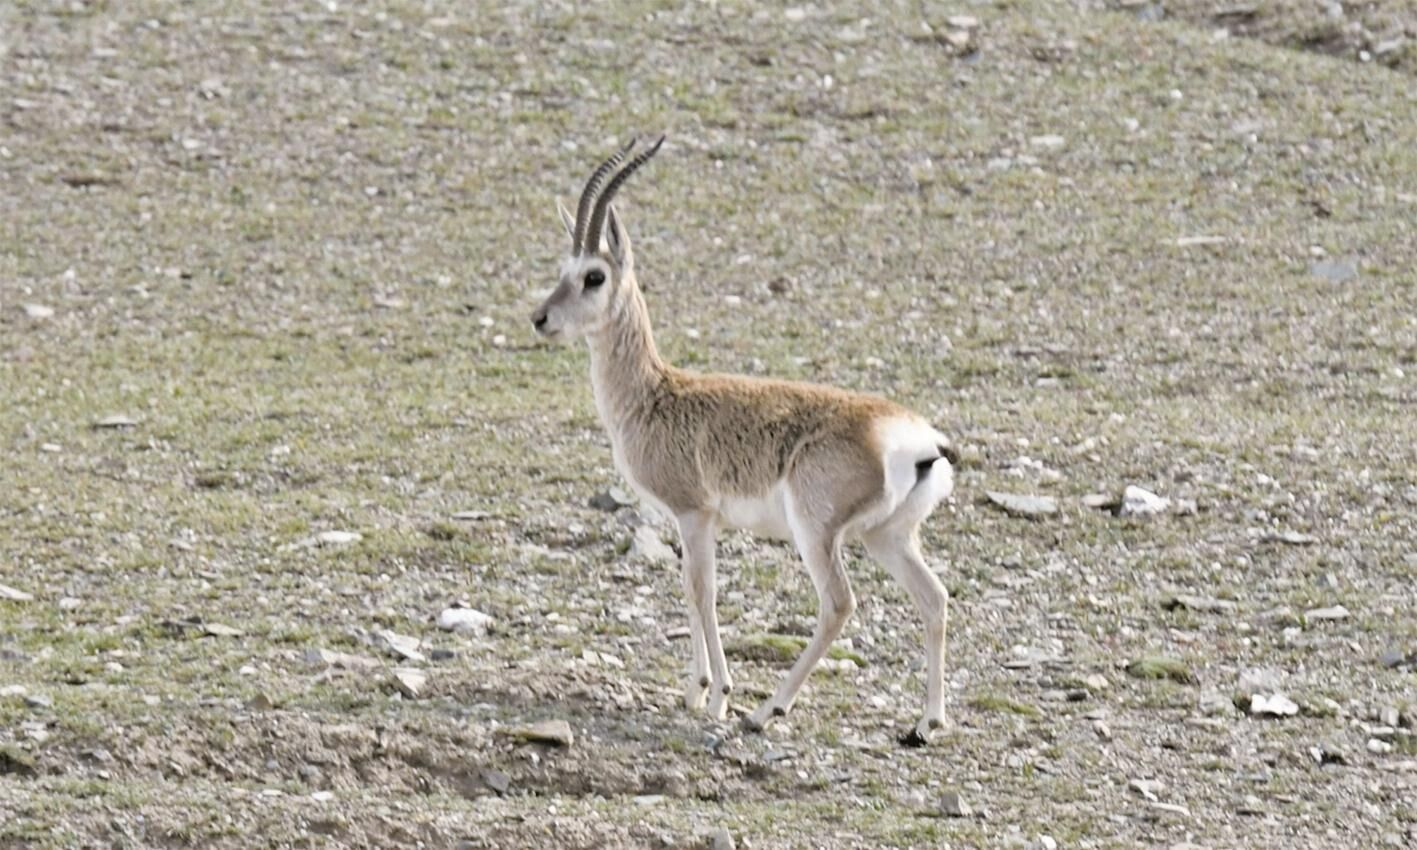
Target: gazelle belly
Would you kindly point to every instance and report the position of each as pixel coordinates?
(764, 514)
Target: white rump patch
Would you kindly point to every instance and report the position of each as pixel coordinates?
(904, 443)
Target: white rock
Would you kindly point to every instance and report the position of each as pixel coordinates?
(322, 796)
(962, 22)
(410, 681)
(14, 594)
(465, 620)
(1275, 705)
(647, 545)
(1334, 612)
(404, 646)
(38, 311)
(337, 538)
(1049, 141)
(1139, 502)
(1378, 746)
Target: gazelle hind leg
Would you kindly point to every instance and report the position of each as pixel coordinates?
(898, 550)
(709, 671)
(822, 555)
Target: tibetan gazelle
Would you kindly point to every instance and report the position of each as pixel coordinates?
(814, 465)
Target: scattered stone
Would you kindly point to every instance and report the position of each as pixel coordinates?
(1023, 505)
(647, 546)
(410, 681)
(1379, 746)
(1250, 806)
(1272, 705)
(404, 646)
(497, 781)
(1199, 603)
(1192, 241)
(1388, 716)
(952, 805)
(344, 660)
(441, 654)
(554, 732)
(220, 630)
(610, 500)
(465, 621)
(322, 796)
(1097, 682)
(1148, 788)
(1318, 615)
(337, 538)
(471, 516)
(1397, 658)
(648, 799)
(38, 311)
(1172, 808)
(962, 22)
(1292, 538)
(115, 421)
(13, 594)
(1214, 703)
(1161, 667)
(1335, 270)
(720, 839)
(13, 691)
(1328, 754)
(1139, 502)
(70, 603)
(39, 701)
(1048, 141)
(1102, 502)
(1282, 617)
(260, 702)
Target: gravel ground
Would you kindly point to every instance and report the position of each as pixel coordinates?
(270, 406)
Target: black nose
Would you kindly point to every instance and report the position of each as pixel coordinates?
(539, 320)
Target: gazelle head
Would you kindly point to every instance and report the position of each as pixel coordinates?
(598, 274)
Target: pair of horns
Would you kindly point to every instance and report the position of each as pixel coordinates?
(586, 237)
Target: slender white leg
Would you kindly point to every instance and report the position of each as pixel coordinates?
(697, 531)
(899, 552)
(822, 554)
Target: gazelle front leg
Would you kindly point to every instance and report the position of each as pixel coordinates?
(822, 554)
(697, 530)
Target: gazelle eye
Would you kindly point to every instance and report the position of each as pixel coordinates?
(594, 278)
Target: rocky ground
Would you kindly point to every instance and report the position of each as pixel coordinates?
(270, 409)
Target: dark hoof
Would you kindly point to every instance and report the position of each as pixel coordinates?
(751, 725)
(913, 739)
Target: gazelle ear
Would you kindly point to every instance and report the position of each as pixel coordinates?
(619, 241)
(570, 223)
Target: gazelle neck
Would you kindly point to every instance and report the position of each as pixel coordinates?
(624, 363)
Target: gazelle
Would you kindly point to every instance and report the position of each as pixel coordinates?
(811, 464)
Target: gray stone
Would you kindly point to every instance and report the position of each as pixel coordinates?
(1199, 603)
(647, 545)
(337, 538)
(1147, 788)
(1291, 538)
(1215, 704)
(721, 839)
(115, 421)
(39, 701)
(345, 660)
(610, 500)
(221, 630)
(1023, 505)
(1335, 270)
(952, 805)
(555, 732)
(498, 781)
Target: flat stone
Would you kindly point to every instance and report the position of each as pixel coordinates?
(1213, 703)
(38, 311)
(1139, 502)
(1199, 603)
(610, 500)
(114, 421)
(344, 660)
(720, 839)
(1291, 538)
(465, 621)
(404, 646)
(410, 681)
(337, 538)
(14, 594)
(499, 782)
(1333, 612)
(555, 732)
(1147, 788)
(221, 630)
(1023, 505)
(1335, 270)
(39, 701)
